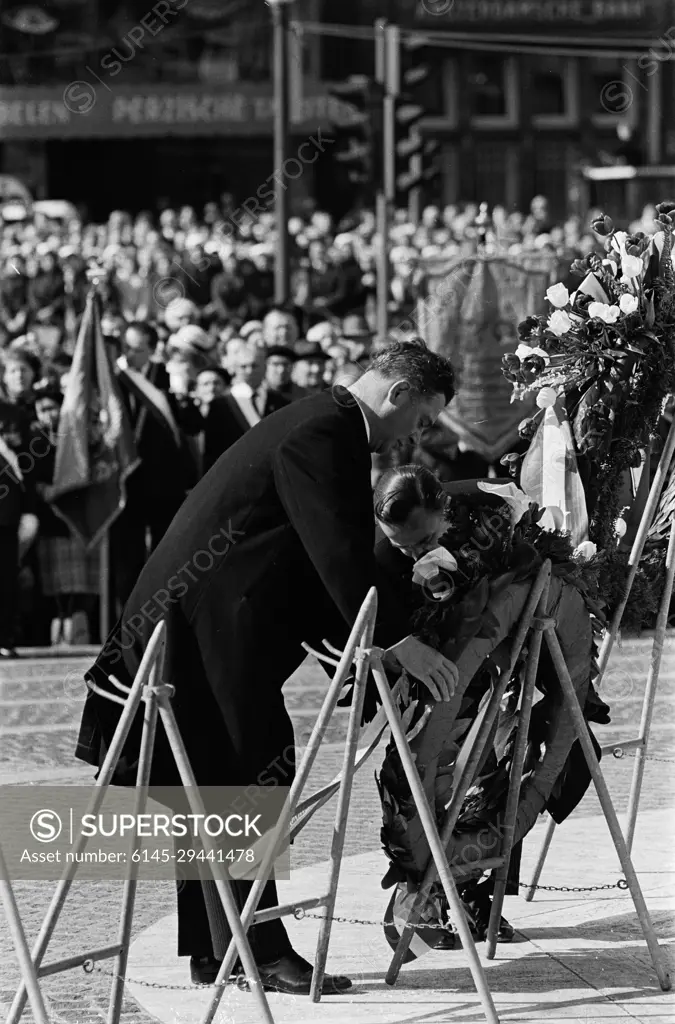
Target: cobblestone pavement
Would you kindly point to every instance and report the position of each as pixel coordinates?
(40, 702)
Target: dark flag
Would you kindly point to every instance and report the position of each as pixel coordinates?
(96, 450)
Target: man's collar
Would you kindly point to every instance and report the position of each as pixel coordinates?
(347, 398)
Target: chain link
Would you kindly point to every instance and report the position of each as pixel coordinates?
(238, 981)
(91, 968)
(619, 754)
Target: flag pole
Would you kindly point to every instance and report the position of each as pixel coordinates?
(95, 273)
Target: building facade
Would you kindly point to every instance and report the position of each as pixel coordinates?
(112, 103)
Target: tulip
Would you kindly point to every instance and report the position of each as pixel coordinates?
(587, 549)
(546, 398)
(628, 303)
(559, 323)
(602, 311)
(558, 295)
(631, 267)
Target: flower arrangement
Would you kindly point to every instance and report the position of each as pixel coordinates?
(608, 349)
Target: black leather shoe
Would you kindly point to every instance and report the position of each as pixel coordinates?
(8, 652)
(449, 940)
(292, 974)
(204, 969)
(479, 929)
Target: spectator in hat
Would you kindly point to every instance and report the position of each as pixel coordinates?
(308, 371)
(279, 364)
(324, 333)
(253, 332)
(356, 335)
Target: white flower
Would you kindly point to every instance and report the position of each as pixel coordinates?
(631, 267)
(523, 351)
(619, 242)
(585, 550)
(511, 495)
(553, 519)
(612, 266)
(628, 303)
(602, 311)
(559, 323)
(558, 295)
(546, 398)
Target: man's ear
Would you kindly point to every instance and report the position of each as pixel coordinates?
(399, 392)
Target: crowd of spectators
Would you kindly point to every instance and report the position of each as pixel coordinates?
(188, 305)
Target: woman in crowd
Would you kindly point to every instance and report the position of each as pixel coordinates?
(20, 369)
(69, 574)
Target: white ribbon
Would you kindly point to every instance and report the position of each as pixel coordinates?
(429, 565)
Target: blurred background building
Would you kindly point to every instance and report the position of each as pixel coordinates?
(115, 103)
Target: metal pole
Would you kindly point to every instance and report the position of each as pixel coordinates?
(282, 100)
(342, 812)
(608, 811)
(428, 822)
(28, 972)
(381, 209)
(650, 692)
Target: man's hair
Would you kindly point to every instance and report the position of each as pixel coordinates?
(146, 331)
(426, 371)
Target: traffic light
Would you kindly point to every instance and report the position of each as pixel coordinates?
(359, 143)
(416, 157)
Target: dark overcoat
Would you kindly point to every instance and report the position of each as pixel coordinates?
(274, 546)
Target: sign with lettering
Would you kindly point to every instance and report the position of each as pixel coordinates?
(96, 109)
(536, 14)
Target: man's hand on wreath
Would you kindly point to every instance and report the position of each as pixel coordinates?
(429, 666)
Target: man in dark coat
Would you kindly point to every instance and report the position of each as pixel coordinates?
(155, 490)
(274, 546)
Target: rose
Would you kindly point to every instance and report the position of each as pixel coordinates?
(602, 311)
(631, 267)
(628, 303)
(559, 323)
(558, 295)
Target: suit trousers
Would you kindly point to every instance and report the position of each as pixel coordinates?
(203, 929)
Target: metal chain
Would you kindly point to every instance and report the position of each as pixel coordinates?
(90, 967)
(619, 753)
(238, 981)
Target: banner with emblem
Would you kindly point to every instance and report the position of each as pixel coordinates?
(471, 314)
(96, 451)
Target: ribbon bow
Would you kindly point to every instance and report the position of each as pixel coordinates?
(432, 563)
(518, 502)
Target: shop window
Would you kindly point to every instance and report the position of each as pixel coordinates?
(553, 91)
(493, 93)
